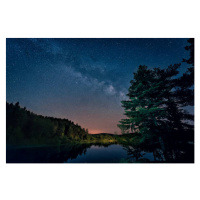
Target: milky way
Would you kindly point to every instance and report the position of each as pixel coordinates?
(83, 80)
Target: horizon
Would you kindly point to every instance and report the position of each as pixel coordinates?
(83, 79)
(94, 131)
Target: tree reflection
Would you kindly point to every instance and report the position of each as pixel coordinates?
(163, 151)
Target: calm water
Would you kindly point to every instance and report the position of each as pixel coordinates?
(94, 154)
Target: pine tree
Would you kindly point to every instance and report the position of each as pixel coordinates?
(190, 48)
(153, 106)
(185, 84)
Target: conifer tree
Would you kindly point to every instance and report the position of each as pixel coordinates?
(153, 105)
(185, 84)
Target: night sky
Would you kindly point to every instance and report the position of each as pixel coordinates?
(82, 80)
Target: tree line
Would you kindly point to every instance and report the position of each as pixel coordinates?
(25, 127)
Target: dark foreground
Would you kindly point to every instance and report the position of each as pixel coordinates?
(33, 138)
(98, 153)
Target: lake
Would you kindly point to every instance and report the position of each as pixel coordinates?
(90, 153)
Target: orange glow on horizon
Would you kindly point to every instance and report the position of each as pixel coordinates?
(95, 131)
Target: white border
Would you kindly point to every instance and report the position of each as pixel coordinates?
(98, 19)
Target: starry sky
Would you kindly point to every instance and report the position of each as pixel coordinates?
(83, 79)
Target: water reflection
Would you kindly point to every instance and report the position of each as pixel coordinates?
(50, 154)
(102, 154)
(161, 153)
(98, 153)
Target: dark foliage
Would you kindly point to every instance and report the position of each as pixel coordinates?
(153, 104)
(185, 84)
(190, 48)
(25, 127)
(157, 100)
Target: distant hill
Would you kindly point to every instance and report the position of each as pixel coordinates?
(112, 134)
(104, 134)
